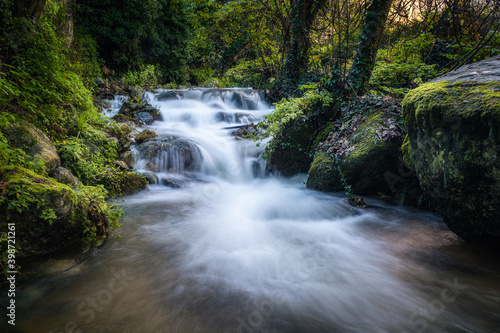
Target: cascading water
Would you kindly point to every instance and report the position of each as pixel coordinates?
(223, 248)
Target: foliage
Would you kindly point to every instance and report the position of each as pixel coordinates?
(403, 66)
(313, 103)
(143, 75)
(135, 34)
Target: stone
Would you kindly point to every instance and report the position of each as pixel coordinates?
(99, 82)
(35, 143)
(129, 158)
(145, 117)
(288, 151)
(166, 95)
(453, 127)
(64, 176)
(171, 154)
(145, 136)
(136, 94)
(151, 178)
(122, 165)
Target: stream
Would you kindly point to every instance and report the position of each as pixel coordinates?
(231, 249)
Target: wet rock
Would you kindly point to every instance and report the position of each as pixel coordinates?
(289, 149)
(144, 117)
(453, 130)
(151, 178)
(136, 94)
(166, 95)
(145, 136)
(171, 154)
(129, 158)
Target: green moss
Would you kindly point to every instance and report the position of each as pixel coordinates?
(289, 150)
(131, 182)
(406, 150)
(323, 134)
(454, 137)
(324, 174)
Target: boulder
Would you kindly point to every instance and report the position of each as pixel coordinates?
(41, 197)
(129, 158)
(288, 151)
(166, 95)
(136, 94)
(151, 178)
(453, 125)
(35, 143)
(171, 154)
(122, 165)
(364, 149)
(145, 136)
(64, 176)
(324, 174)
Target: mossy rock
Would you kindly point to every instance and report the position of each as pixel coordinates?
(324, 174)
(35, 143)
(289, 150)
(454, 132)
(131, 182)
(372, 158)
(26, 198)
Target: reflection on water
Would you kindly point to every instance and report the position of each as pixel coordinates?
(235, 253)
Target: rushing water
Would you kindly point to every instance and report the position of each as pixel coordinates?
(232, 250)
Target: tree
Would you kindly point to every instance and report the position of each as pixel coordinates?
(30, 9)
(364, 62)
(303, 13)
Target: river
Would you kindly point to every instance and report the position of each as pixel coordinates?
(233, 250)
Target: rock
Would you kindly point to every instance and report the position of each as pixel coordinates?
(288, 151)
(64, 176)
(145, 136)
(454, 135)
(365, 149)
(151, 178)
(145, 117)
(25, 136)
(166, 95)
(42, 196)
(136, 94)
(129, 158)
(121, 165)
(151, 167)
(324, 174)
(171, 154)
(99, 82)
(131, 182)
(102, 104)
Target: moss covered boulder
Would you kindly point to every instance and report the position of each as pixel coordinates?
(35, 143)
(324, 174)
(364, 146)
(454, 132)
(289, 150)
(43, 210)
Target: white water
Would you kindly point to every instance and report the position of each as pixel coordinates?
(236, 251)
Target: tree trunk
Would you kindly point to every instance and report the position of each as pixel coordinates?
(303, 13)
(362, 68)
(31, 9)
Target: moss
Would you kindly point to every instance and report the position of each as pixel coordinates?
(289, 150)
(25, 198)
(454, 134)
(406, 150)
(324, 175)
(130, 182)
(364, 167)
(323, 134)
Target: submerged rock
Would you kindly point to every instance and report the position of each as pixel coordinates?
(454, 132)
